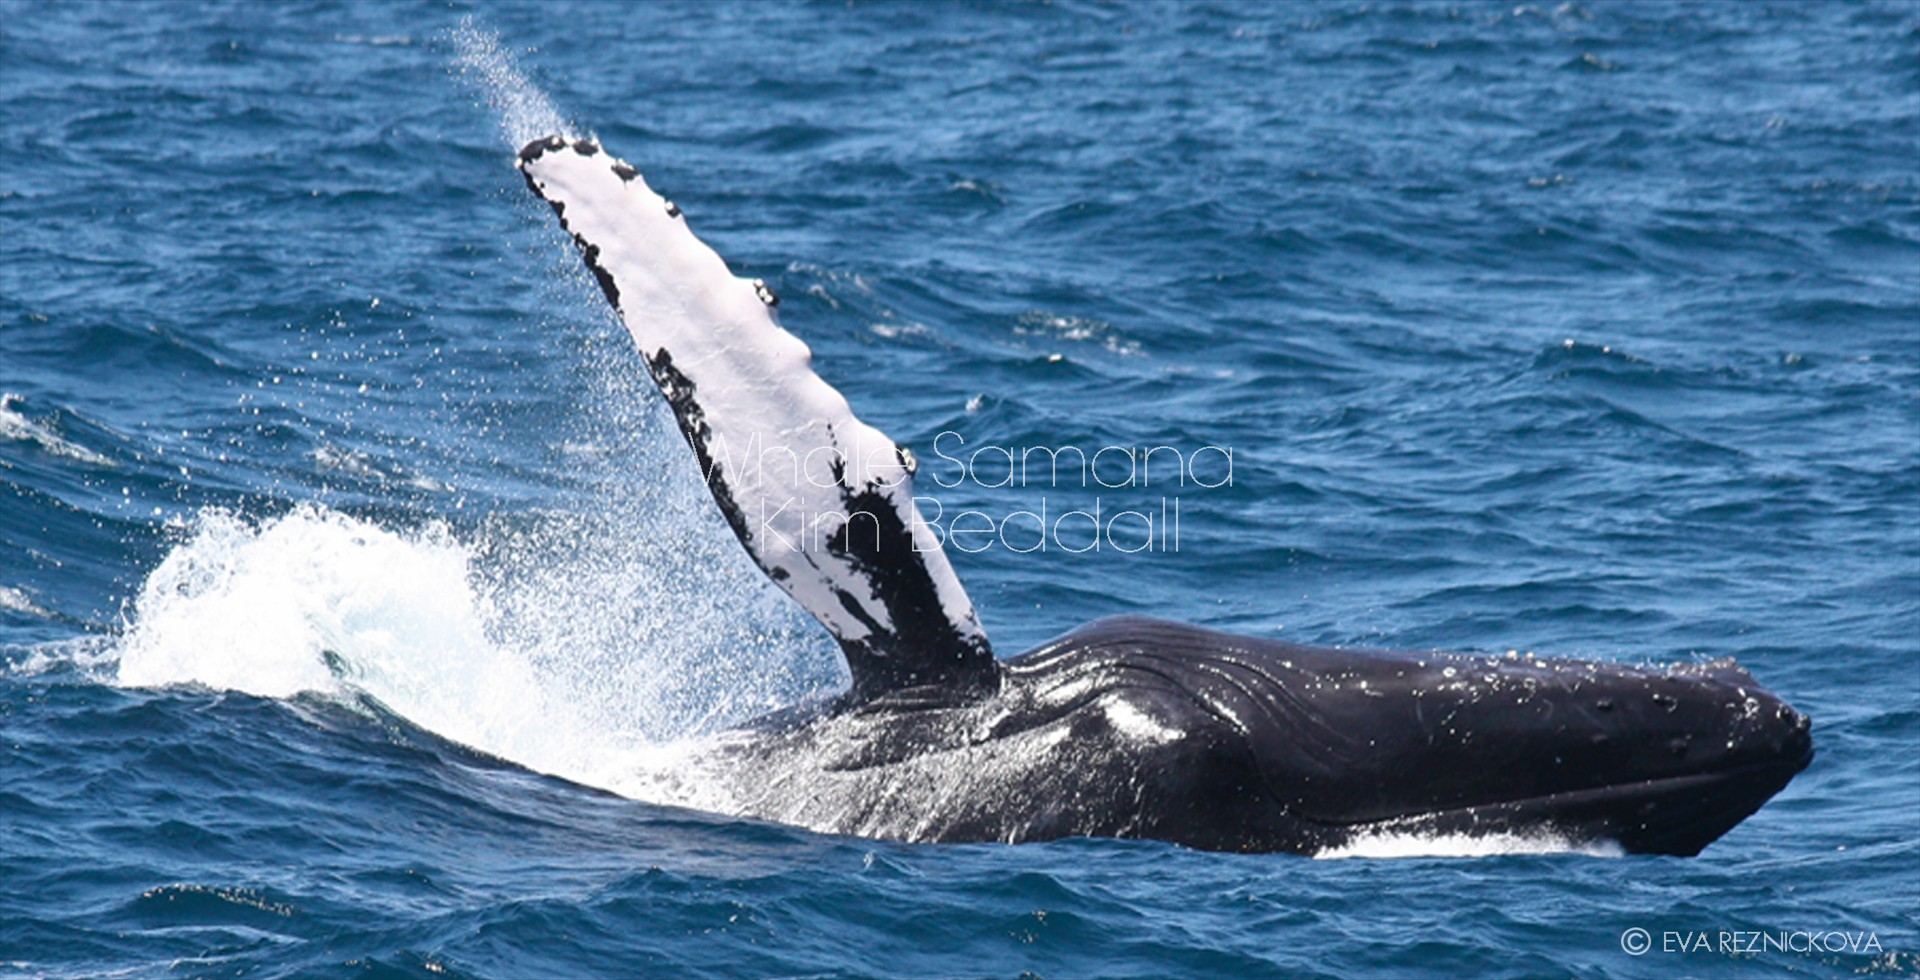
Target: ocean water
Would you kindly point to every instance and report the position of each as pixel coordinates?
(358, 600)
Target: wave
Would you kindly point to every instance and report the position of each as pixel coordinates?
(16, 426)
(321, 603)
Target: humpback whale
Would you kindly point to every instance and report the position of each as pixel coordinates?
(1129, 726)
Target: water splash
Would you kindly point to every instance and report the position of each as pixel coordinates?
(599, 637)
(524, 112)
(289, 606)
(319, 602)
(632, 594)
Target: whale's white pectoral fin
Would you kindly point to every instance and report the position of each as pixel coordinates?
(822, 501)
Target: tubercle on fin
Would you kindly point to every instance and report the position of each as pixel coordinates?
(536, 149)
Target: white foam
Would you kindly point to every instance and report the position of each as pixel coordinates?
(14, 425)
(1413, 844)
(14, 600)
(323, 603)
(257, 608)
(93, 656)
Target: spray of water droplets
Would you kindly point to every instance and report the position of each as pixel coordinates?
(599, 636)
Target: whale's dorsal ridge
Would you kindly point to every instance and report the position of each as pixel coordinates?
(822, 501)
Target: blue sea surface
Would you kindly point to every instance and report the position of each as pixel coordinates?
(357, 593)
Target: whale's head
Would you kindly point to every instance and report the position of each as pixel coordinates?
(1301, 748)
(1660, 760)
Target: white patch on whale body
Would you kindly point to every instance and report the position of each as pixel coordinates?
(1130, 721)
